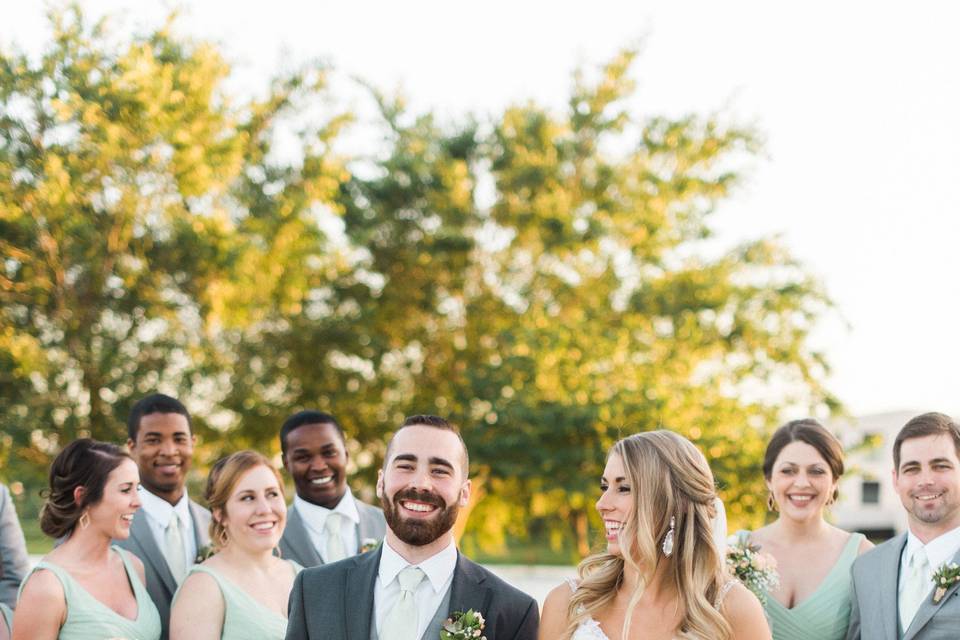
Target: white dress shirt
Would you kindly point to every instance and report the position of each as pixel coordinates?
(939, 550)
(315, 518)
(430, 592)
(159, 512)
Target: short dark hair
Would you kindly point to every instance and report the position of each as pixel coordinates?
(811, 432)
(436, 422)
(926, 424)
(307, 416)
(82, 463)
(154, 403)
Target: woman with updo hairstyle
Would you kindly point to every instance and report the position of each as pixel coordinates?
(241, 591)
(802, 468)
(661, 575)
(87, 588)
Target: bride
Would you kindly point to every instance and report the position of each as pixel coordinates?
(661, 576)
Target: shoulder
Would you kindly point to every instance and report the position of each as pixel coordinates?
(200, 512)
(134, 561)
(558, 599)
(879, 554)
(327, 575)
(200, 585)
(865, 544)
(369, 510)
(44, 590)
(742, 611)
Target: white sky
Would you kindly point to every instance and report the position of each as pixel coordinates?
(859, 103)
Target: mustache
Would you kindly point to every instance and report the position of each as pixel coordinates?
(426, 497)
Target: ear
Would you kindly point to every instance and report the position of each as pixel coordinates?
(131, 445)
(465, 493)
(217, 515)
(78, 493)
(380, 483)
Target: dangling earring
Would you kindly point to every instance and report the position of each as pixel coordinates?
(84, 520)
(771, 503)
(668, 540)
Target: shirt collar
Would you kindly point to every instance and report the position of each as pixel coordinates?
(160, 510)
(939, 550)
(438, 568)
(315, 515)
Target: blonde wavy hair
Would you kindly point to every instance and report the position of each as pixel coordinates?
(668, 476)
(224, 476)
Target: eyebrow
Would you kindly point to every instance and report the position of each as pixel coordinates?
(158, 434)
(409, 457)
(617, 479)
(932, 461)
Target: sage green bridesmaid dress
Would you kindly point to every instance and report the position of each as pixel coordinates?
(244, 618)
(825, 613)
(90, 619)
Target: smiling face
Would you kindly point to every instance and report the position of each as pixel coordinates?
(255, 514)
(423, 484)
(801, 482)
(316, 459)
(163, 451)
(928, 482)
(616, 502)
(113, 513)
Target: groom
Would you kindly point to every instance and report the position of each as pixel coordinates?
(894, 593)
(417, 579)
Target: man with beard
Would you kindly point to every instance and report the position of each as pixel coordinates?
(407, 589)
(906, 588)
(325, 523)
(169, 529)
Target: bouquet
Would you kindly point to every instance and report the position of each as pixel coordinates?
(756, 570)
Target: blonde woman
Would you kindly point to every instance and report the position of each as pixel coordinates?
(241, 592)
(661, 577)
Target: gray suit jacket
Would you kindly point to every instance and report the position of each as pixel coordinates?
(875, 614)
(160, 583)
(335, 601)
(296, 544)
(13, 550)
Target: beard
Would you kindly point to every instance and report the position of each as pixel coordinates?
(415, 532)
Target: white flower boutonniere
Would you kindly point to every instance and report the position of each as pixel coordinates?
(944, 578)
(369, 544)
(463, 626)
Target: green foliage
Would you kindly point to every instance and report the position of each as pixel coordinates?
(547, 280)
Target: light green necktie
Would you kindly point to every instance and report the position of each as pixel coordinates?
(403, 619)
(173, 539)
(334, 550)
(916, 587)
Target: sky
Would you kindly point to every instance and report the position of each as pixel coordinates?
(857, 103)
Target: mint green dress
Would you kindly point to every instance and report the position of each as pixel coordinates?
(90, 619)
(824, 614)
(244, 618)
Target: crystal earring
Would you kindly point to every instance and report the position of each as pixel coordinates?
(668, 540)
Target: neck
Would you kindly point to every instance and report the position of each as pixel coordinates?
(928, 532)
(237, 556)
(414, 554)
(331, 504)
(654, 584)
(93, 546)
(801, 530)
(173, 496)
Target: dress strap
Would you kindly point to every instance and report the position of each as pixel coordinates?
(722, 593)
(573, 583)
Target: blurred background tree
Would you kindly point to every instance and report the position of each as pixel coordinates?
(549, 281)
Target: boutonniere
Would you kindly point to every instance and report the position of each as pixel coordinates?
(369, 544)
(463, 626)
(203, 553)
(944, 578)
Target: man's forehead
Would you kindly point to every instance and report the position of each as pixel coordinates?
(425, 442)
(927, 448)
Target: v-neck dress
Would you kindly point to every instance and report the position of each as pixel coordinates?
(825, 613)
(90, 619)
(244, 618)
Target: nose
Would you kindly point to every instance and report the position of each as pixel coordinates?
(603, 505)
(318, 463)
(168, 447)
(421, 480)
(263, 505)
(135, 499)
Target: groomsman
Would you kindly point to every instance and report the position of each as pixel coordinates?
(14, 562)
(407, 588)
(325, 523)
(169, 529)
(895, 597)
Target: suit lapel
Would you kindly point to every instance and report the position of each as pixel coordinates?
(200, 533)
(890, 571)
(468, 591)
(928, 608)
(150, 553)
(358, 595)
(299, 541)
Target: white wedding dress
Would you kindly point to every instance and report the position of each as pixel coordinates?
(590, 629)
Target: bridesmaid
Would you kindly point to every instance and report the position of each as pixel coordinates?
(241, 592)
(802, 466)
(86, 588)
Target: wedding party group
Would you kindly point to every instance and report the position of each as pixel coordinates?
(138, 558)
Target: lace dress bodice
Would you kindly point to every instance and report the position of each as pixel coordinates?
(590, 629)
